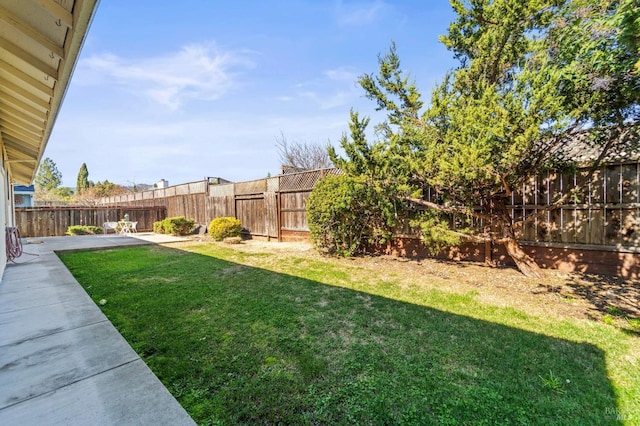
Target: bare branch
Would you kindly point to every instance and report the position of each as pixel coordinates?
(302, 155)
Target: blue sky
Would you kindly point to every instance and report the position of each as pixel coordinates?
(181, 90)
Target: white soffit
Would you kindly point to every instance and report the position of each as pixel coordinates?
(40, 41)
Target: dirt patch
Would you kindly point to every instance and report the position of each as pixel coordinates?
(560, 295)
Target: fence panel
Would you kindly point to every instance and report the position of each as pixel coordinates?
(220, 206)
(224, 190)
(250, 187)
(251, 212)
(54, 221)
(271, 214)
(293, 216)
(605, 212)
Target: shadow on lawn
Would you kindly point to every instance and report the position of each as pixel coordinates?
(240, 344)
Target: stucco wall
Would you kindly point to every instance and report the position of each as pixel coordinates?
(6, 214)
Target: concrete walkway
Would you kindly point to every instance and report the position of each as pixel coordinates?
(61, 360)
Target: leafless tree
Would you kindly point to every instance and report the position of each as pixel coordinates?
(300, 155)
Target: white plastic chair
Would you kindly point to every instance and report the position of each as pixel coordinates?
(134, 226)
(110, 225)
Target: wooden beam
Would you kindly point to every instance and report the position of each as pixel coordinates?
(22, 110)
(10, 88)
(13, 50)
(8, 99)
(19, 133)
(18, 124)
(16, 114)
(36, 84)
(61, 15)
(20, 152)
(30, 32)
(18, 156)
(21, 147)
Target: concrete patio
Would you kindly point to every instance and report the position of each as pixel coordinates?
(61, 360)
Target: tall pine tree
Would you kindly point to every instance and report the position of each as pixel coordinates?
(82, 183)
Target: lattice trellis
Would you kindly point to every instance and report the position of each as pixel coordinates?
(273, 184)
(304, 181)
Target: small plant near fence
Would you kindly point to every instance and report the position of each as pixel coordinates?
(178, 225)
(224, 227)
(84, 230)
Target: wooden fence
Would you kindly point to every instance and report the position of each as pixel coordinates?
(273, 208)
(606, 213)
(54, 221)
(597, 231)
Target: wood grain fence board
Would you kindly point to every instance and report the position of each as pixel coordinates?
(612, 184)
(220, 206)
(582, 194)
(596, 231)
(567, 226)
(222, 190)
(554, 182)
(250, 187)
(541, 190)
(271, 214)
(612, 227)
(630, 183)
(597, 188)
(251, 213)
(582, 224)
(293, 210)
(630, 227)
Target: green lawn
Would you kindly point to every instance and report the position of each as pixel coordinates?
(265, 338)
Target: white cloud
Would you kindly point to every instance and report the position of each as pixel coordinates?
(335, 88)
(358, 14)
(195, 72)
(342, 74)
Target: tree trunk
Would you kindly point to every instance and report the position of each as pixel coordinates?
(524, 262)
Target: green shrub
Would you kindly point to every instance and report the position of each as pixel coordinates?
(84, 230)
(178, 225)
(224, 227)
(158, 227)
(346, 214)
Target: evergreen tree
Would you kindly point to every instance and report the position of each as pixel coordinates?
(531, 75)
(48, 176)
(82, 183)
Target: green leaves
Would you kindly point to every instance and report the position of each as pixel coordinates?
(595, 43)
(531, 74)
(346, 214)
(82, 183)
(48, 176)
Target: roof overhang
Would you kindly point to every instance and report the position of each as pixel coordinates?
(40, 41)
